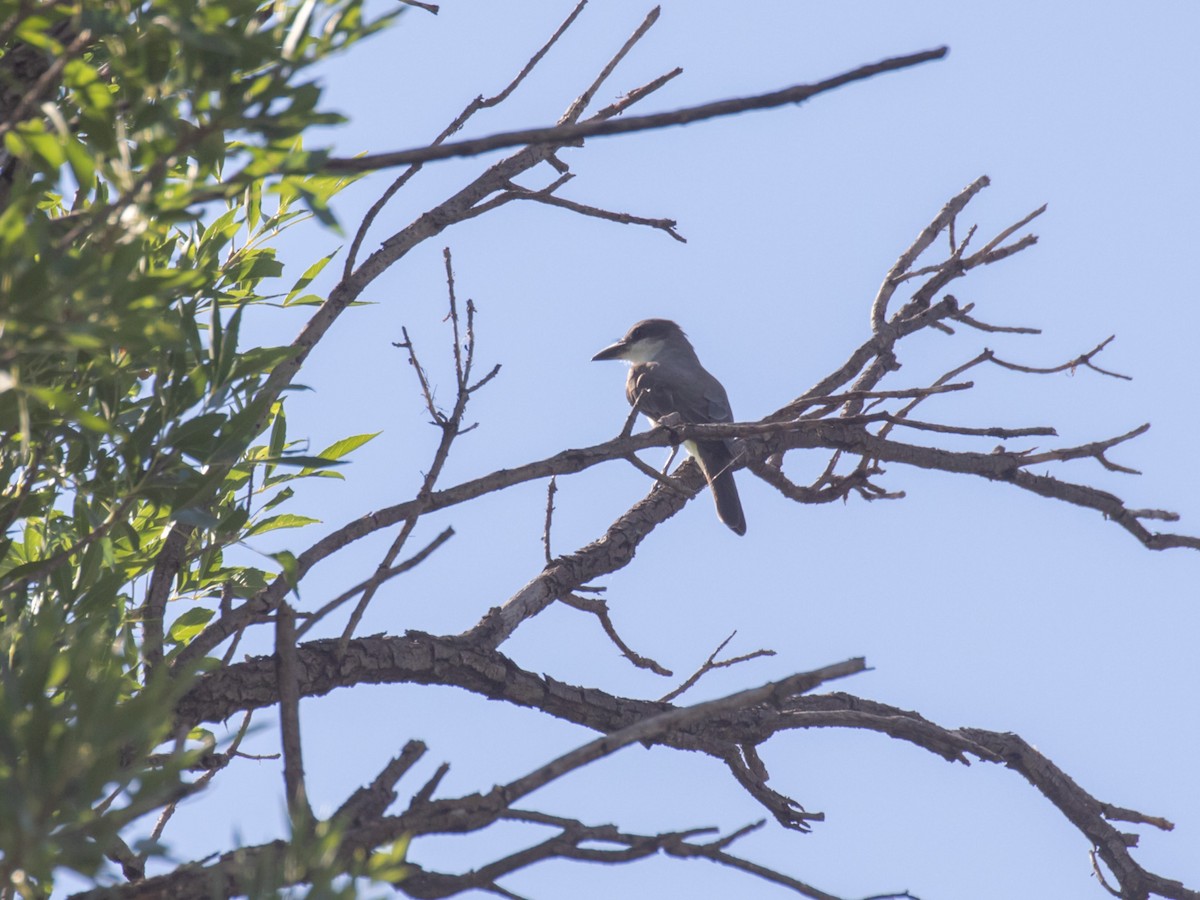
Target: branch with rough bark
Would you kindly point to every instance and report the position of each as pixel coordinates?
(366, 826)
(731, 729)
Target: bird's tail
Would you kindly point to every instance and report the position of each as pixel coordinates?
(717, 462)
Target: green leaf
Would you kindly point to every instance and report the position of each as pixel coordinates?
(282, 497)
(278, 439)
(297, 459)
(33, 31)
(338, 449)
(227, 354)
(198, 436)
(283, 520)
(253, 203)
(190, 624)
(307, 278)
(291, 569)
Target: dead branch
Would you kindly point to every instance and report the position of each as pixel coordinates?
(568, 134)
(547, 196)
(380, 577)
(713, 663)
(598, 608)
(731, 729)
(451, 426)
(1084, 359)
(472, 812)
(551, 488)
(372, 801)
(289, 715)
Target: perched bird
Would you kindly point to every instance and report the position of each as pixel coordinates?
(665, 377)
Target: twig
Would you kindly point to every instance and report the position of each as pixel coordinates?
(835, 400)
(599, 608)
(451, 426)
(710, 664)
(666, 225)
(827, 488)
(551, 488)
(376, 580)
(575, 110)
(1084, 359)
(984, 254)
(747, 768)
(371, 802)
(223, 760)
(894, 276)
(1001, 329)
(1095, 449)
(1120, 814)
(660, 477)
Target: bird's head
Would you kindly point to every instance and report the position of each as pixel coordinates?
(645, 341)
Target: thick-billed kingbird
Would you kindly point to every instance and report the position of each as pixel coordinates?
(665, 377)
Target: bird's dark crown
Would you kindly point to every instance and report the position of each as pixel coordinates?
(653, 329)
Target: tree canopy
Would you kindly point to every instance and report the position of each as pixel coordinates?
(155, 153)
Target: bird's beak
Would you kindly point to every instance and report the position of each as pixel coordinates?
(612, 351)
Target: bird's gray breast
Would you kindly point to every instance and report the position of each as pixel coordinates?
(657, 388)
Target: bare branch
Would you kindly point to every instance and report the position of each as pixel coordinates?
(896, 273)
(451, 425)
(376, 580)
(726, 735)
(747, 768)
(1120, 814)
(583, 100)
(985, 255)
(835, 400)
(370, 802)
(551, 488)
(1095, 450)
(568, 134)
(710, 664)
(599, 609)
(659, 477)
(1084, 359)
(289, 714)
(544, 196)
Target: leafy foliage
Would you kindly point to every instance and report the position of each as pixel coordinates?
(139, 200)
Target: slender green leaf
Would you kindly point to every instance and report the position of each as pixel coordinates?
(338, 449)
(283, 520)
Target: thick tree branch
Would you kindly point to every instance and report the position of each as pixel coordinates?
(730, 730)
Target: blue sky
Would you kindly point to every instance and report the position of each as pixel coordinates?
(974, 603)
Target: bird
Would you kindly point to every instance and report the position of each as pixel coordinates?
(666, 378)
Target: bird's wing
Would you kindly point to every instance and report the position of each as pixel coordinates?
(656, 390)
